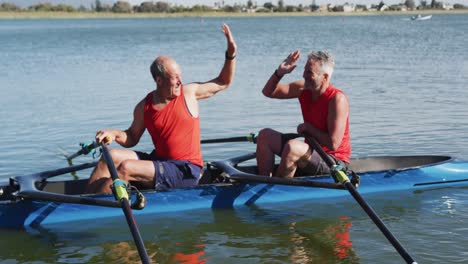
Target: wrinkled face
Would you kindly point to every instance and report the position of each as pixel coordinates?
(313, 78)
(173, 82)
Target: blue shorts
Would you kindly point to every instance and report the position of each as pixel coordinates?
(172, 173)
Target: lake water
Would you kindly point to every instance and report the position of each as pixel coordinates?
(407, 83)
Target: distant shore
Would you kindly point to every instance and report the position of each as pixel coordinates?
(85, 15)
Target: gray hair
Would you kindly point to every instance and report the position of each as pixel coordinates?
(326, 60)
(157, 68)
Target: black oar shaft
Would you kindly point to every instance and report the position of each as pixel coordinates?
(378, 222)
(126, 208)
(135, 231)
(224, 140)
(364, 205)
(252, 137)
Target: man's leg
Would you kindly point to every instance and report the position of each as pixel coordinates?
(268, 144)
(100, 178)
(295, 153)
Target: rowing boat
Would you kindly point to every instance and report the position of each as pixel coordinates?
(419, 17)
(36, 200)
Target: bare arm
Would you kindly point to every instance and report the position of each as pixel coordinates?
(129, 137)
(274, 89)
(225, 77)
(338, 112)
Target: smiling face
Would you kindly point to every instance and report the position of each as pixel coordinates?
(167, 75)
(172, 82)
(314, 77)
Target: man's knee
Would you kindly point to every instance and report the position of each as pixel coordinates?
(125, 170)
(118, 155)
(268, 136)
(293, 147)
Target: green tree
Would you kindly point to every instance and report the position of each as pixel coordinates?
(146, 7)
(9, 7)
(64, 8)
(98, 6)
(410, 4)
(281, 6)
(200, 8)
(42, 7)
(162, 7)
(122, 7)
(232, 9)
(268, 5)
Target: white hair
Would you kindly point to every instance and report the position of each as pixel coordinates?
(326, 60)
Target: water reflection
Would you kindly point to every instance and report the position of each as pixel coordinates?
(243, 235)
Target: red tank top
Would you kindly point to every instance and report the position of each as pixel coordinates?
(174, 131)
(316, 113)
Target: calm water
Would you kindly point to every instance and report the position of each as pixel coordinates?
(61, 80)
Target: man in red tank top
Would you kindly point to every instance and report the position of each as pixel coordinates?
(325, 111)
(171, 115)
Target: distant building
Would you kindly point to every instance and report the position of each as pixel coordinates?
(323, 8)
(384, 8)
(349, 7)
(447, 6)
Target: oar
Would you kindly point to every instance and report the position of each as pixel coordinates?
(85, 149)
(119, 189)
(252, 137)
(249, 138)
(341, 177)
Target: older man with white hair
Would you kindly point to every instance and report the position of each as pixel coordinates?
(325, 110)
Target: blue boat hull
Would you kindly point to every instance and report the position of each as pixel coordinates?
(450, 173)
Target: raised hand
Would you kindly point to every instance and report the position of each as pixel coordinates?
(231, 44)
(289, 64)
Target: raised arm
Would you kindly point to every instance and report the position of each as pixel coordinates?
(129, 137)
(274, 89)
(225, 77)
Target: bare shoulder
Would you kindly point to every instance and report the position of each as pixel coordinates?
(190, 89)
(296, 88)
(340, 100)
(341, 97)
(140, 107)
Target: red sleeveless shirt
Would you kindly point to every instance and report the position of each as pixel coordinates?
(174, 131)
(316, 113)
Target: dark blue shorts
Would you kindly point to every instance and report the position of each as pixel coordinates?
(172, 173)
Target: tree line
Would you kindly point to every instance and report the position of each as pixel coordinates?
(164, 7)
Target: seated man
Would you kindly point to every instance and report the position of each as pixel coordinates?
(170, 113)
(325, 111)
